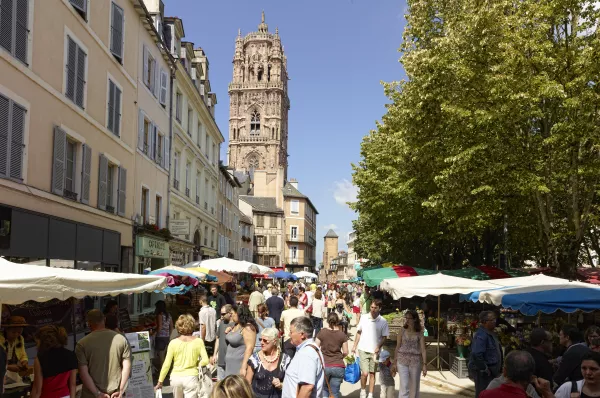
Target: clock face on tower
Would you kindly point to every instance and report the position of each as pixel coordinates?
(259, 104)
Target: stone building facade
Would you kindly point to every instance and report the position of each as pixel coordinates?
(330, 251)
(259, 104)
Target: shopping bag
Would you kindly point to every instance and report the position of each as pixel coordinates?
(205, 383)
(158, 393)
(352, 373)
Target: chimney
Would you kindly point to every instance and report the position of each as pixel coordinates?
(294, 183)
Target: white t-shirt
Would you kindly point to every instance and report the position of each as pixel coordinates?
(356, 302)
(372, 331)
(208, 317)
(309, 294)
(267, 294)
(318, 308)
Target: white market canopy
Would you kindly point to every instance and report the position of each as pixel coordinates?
(263, 270)
(434, 285)
(230, 265)
(304, 274)
(23, 282)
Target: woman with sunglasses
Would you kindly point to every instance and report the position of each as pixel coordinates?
(266, 368)
(263, 321)
(410, 356)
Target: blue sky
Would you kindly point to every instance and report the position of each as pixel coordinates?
(338, 53)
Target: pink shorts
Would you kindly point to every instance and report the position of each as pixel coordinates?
(356, 310)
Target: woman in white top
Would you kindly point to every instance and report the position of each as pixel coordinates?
(318, 311)
(590, 385)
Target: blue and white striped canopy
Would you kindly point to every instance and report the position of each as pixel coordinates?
(541, 293)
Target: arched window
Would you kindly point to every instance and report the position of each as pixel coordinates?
(255, 123)
(252, 164)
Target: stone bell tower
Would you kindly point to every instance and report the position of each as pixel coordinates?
(259, 104)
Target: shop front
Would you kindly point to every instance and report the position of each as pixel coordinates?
(181, 252)
(151, 252)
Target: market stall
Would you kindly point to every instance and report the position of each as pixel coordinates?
(230, 265)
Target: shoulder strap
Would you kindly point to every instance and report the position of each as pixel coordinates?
(574, 387)
(262, 325)
(323, 365)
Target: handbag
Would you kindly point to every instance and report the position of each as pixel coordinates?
(323, 365)
(309, 310)
(205, 383)
(158, 394)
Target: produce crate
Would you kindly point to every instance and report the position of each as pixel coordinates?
(458, 367)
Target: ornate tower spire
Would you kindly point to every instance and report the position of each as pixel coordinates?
(263, 27)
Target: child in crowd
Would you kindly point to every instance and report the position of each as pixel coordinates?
(386, 376)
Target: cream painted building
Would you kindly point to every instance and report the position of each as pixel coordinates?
(194, 151)
(247, 241)
(229, 214)
(269, 223)
(300, 229)
(68, 121)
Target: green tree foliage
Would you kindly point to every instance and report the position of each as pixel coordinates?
(497, 123)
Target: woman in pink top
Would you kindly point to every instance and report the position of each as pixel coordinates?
(410, 356)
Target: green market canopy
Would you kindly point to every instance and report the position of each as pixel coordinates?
(374, 276)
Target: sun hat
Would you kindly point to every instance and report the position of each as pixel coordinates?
(15, 322)
(383, 355)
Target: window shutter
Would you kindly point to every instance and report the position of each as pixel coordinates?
(117, 111)
(116, 44)
(80, 86)
(86, 171)
(156, 86)
(102, 182)
(141, 130)
(17, 137)
(111, 106)
(4, 134)
(6, 24)
(80, 5)
(273, 241)
(164, 82)
(145, 64)
(152, 142)
(121, 193)
(71, 66)
(58, 165)
(21, 29)
(167, 153)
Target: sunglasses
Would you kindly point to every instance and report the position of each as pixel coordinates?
(265, 341)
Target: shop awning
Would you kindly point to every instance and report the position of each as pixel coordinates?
(284, 275)
(542, 293)
(433, 285)
(305, 274)
(23, 282)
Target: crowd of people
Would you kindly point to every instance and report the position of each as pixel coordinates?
(542, 370)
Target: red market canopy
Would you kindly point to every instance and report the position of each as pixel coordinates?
(484, 272)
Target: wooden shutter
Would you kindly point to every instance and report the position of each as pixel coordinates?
(272, 241)
(80, 5)
(260, 221)
(167, 154)
(4, 134)
(80, 85)
(117, 111)
(21, 29)
(111, 106)
(156, 86)
(16, 141)
(86, 171)
(152, 141)
(6, 24)
(71, 66)
(103, 182)
(58, 163)
(273, 221)
(164, 83)
(121, 193)
(116, 42)
(141, 130)
(145, 65)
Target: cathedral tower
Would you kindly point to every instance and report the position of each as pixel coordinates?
(259, 104)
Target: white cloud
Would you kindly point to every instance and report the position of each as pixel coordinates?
(344, 191)
(330, 226)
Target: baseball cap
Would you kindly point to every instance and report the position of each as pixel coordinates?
(383, 355)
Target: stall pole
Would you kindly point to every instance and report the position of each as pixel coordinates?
(73, 323)
(438, 356)
(539, 319)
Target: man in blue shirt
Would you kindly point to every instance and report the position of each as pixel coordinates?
(485, 361)
(304, 376)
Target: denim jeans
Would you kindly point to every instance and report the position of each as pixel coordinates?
(335, 377)
(317, 324)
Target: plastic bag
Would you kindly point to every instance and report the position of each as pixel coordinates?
(158, 394)
(352, 373)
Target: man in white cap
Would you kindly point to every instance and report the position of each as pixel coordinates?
(267, 292)
(386, 375)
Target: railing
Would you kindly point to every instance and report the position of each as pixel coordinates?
(197, 199)
(176, 184)
(257, 85)
(266, 250)
(187, 192)
(110, 209)
(212, 210)
(70, 195)
(206, 206)
(252, 138)
(294, 238)
(312, 241)
(145, 149)
(299, 261)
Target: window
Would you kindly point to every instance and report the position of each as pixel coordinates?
(176, 174)
(150, 72)
(215, 157)
(188, 171)
(206, 145)
(75, 73)
(110, 188)
(260, 241)
(190, 120)
(273, 241)
(273, 221)
(80, 6)
(295, 207)
(206, 194)
(205, 236)
(164, 86)
(158, 211)
(212, 238)
(70, 170)
(199, 135)
(14, 28)
(147, 135)
(260, 220)
(12, 134)
(159, 149)
(117, 26)
(197, 188)
(294, 253)
(145, 206)
(114, 108)
(106, 174)
(252, 164)
(255, 123)
(294, 232)
(178, 105)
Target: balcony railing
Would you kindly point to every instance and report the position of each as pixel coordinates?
(110, 209)
(197, 199)
(300, 261)
(212, 210)
(70, 195)
(294, 238)
(187, 192)
(176, 184)
(206, 206)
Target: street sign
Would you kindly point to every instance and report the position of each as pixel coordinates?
(179, 227)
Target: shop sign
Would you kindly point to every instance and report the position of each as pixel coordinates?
(140, 382)
(150, 247)
(179, 227)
